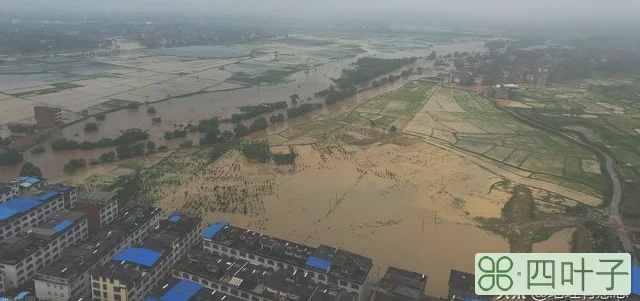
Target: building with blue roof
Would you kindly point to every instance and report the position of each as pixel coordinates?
(38, 246)
(332, 266)
(70, 276)
(186, 290)
(28, 209)
(140, 268)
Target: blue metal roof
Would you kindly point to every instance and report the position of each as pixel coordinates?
(316, 262)
(150, 299)
(213, 229)
(139, 256)
(635, 279)
(174, 218)
(182, 291)
(32, 180)
(46, 196)
(62, 225)
(6, 213)
(20, 204)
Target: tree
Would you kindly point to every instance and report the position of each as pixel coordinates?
(151, 110)
(256, 150)
(240, 130)
(10, 157)
(123, 151)
(432, 56)
(226, 135)
(29, 169)
(259, 124)
(91, 127)
(151, 147)
(294, 99)
(108, 157)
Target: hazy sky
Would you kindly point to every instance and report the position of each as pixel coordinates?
(488, 8)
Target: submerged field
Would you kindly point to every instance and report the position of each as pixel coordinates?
(360, 185)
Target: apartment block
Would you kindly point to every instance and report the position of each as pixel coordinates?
(47, 116)
(27, 210)
(185, 290)
(69, 194)
(9, 190)
(101, 208)
(25, 183)
(327, 265)
(71, 275)
(401, 285)
(241, 279)
(24, 255)
(134, 272)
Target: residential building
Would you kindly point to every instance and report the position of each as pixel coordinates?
(24, 255)
(101, 208)
(27, 210)
(328, 265)
(460, 78)
(47, 116)
(185, 290)
(9, 190)
(71, 275)
(462, 287)
(134, 272)
(25, 183)
(68, 193)
(241, 279)
(401, 285)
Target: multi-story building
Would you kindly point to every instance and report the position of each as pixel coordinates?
(9, 190)
(101, 208)
(47, 116)
(27, 210)
(462, 287)
(70, 276)
(133, 273)
(185, 290)
(30, 183)
(24, 255)
(251, 282)
(401, 285)
(328, 265)
(69, 194)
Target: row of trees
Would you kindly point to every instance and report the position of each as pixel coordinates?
(248, 112)
(368, 68)
(261, 151)
(73, 165)
(10, 157)
(126, 137)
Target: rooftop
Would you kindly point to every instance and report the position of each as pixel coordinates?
(24, 203)
(26, 182)
(180, 223)
(462, 281)
(257, 279)
(126, 274)
(185, 290)
(400, 285)
(16, 249)
(140, 256)
(335, 262)
(97, 197)
(57, 223)
(77, 261)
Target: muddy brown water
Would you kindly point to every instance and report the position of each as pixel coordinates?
(223, 104)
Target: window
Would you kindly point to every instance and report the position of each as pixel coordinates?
(96, 293)
(215, 286)
(104, 294)
(251, 256)
(224, 249)
(95, 284)
(254, 298)
(280, 265)
(104, 286)
(224, 288)
(234, 252)
(261, 259)
(243, 254)
(355, 286)
(312, 274)
(117, 297)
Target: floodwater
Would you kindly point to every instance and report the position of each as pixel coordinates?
(208, 51)
(21, 80)
(222, 104)
(559, 242)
